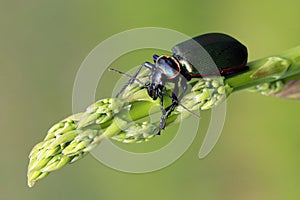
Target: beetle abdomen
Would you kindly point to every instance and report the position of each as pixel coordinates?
(225, 51)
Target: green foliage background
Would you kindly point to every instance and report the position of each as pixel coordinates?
(42, 44)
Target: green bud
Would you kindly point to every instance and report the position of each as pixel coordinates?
(90, 147)
(138, 132)
(82, 145)
(32, 162)
(100, 112)
(41, 153)
(273, 67)
(68, 126)
(209, 104)
(37, 147)
(78, 157)
(104, 118)
(205, 94)
(95, 106)
(56, 127)
(55, 163)
(269, 88)
(87, 134)
(264, 86)
(35, 176)
(199, 85)
(49, 136)
(39, 164)
(52, 152)
(67, 137)
(41, 176)
(87, 119)
(69, 150)
(221, 90)
(215, 83)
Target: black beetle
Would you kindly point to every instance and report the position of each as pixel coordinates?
(227, 53)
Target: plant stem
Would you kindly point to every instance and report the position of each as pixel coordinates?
(244, 80)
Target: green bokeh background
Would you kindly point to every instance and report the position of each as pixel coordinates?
(42, 44)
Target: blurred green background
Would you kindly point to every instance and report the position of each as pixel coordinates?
(42, 44)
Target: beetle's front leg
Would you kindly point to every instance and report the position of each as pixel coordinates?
(175, 100)
(167, 111)
(175, 97)
(145, 64)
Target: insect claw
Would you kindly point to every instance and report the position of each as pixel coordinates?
(162, 123)
(175, 102)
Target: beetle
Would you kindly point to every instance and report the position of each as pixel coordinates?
(204, 55)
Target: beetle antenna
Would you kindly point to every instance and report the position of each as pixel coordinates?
(195, 114)
(127, 75)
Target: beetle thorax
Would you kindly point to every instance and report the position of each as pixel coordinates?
(168, 66)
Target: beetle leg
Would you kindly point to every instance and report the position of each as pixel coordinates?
(147, 65)
(163, 118)
(175, 101)
(175, 97)
(184, 86)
